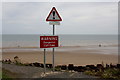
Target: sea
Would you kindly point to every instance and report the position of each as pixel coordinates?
(109, 43)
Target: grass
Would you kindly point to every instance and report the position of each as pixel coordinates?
(57, 69)
(4, 75)
(7, 75)
(107, 73)
(0, 75)
(111, 73)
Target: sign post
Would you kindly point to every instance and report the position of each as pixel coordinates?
(48, 42)
(44, 61)
(54, 19)
(53, 51)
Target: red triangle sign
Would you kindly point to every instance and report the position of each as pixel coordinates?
(53, 15)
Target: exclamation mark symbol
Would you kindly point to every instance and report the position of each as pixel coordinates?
(53, 14)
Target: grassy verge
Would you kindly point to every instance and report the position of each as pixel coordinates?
(4, 75)
(7, 75)
(107, 73)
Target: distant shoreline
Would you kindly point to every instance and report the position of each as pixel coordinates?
(114, 45)
(110, 49)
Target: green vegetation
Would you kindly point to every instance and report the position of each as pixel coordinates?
(0, 75)
(57, 69)
(4, 75)
(7, 75)
(107, 73)
(19, 64)
(111, 73)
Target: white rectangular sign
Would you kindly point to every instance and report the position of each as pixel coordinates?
(54, 22)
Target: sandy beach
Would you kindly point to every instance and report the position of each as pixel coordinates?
(77, 57)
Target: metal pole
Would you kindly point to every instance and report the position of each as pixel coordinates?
(44, 62)
(53, 60)
(53, 29)
(53, 49)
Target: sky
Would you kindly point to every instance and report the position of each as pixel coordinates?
(0, 18)
(78, 17)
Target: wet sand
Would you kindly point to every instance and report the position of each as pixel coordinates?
(78, 57)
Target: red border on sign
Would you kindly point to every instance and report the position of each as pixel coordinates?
(57, 14)
(42, 45)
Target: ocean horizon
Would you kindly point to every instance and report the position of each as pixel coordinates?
(64, 40)
(22, 43)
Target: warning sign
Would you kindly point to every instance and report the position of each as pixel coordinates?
(53, 15)
(48, 41)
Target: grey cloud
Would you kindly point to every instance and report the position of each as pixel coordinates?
(78, 18)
